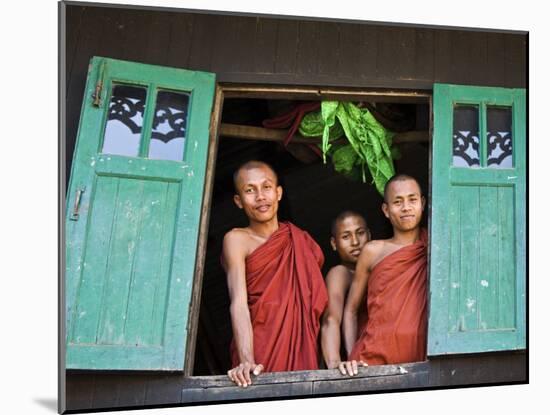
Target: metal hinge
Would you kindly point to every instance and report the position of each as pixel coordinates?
(99, 85)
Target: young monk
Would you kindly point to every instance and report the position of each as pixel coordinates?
(349, 235)
(393, 272)
(276, 288)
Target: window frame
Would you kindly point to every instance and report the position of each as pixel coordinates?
(232, 90)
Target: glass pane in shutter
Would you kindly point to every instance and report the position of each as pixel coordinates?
(466, 136)
(169, 126)
(499, 137)
(124, 120)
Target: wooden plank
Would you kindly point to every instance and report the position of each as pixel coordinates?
(195, 305)
(162, 284)
(226, 38)
(139, 327)
(488, 257)
(118, 277)
(328, 50)
(79, 391)
(73, 23)
(106, 392)
(157, 48)
(507, 283)
(306, 375)
(368, 52)
(286, 79)
(83, 328)
(163, 390)
(365, 385)
(469, 257)
(496, 59)
(443, 56)
(244, 90)
(469, 58)
(484, 368)
(349, 47)
(252, 392)
(177, 45)
(516, 60)
(454, 289)
(287, 44)
(242, 59)
(265, 45)
(203, 42)
(424, 60)
(307, 48)
(131, 390)
(268, 134)
(135, 30)
(396, 52)
(112, 33)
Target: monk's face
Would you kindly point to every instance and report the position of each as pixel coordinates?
(404, 205)
(258, 193)
(351, 235)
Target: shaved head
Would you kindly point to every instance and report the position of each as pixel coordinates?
(249, 165)
(344, 215)
(399, 178)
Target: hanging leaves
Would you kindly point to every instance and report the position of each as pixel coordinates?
(369, 142)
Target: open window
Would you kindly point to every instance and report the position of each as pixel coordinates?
(314, 192)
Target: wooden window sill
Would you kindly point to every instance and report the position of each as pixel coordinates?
(307, 383)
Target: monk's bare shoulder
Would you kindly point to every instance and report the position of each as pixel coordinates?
(338, 277)
(372, 252)
(237, 235)
(236, 242)
(338, 273)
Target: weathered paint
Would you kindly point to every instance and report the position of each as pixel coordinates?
(137, 232)
(477, 273)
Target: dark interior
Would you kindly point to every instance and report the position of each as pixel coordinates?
(313, 195)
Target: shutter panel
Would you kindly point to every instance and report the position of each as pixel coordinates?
(477, 257)
(133, 211)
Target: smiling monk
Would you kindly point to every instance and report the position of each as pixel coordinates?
(276, 288)
(393, 272)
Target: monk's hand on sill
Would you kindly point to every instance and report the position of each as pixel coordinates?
(241, 374)
(350, 367)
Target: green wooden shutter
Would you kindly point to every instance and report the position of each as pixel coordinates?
(477, 260)
(133, 210)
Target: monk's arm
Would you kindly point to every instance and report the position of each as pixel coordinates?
(234, 255)
(332, 318)
(355, 296)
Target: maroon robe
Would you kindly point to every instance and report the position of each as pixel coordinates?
(396, 326)
(286, 298)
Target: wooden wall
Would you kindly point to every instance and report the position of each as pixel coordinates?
(88, 391)
(286, 51)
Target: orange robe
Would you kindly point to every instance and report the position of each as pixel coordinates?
(286, 297)
(396, 308)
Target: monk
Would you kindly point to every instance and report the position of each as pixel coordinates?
(276, 288)
(394, 273)
(349, 233)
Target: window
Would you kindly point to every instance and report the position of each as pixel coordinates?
(313, 192)
(150, 199)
